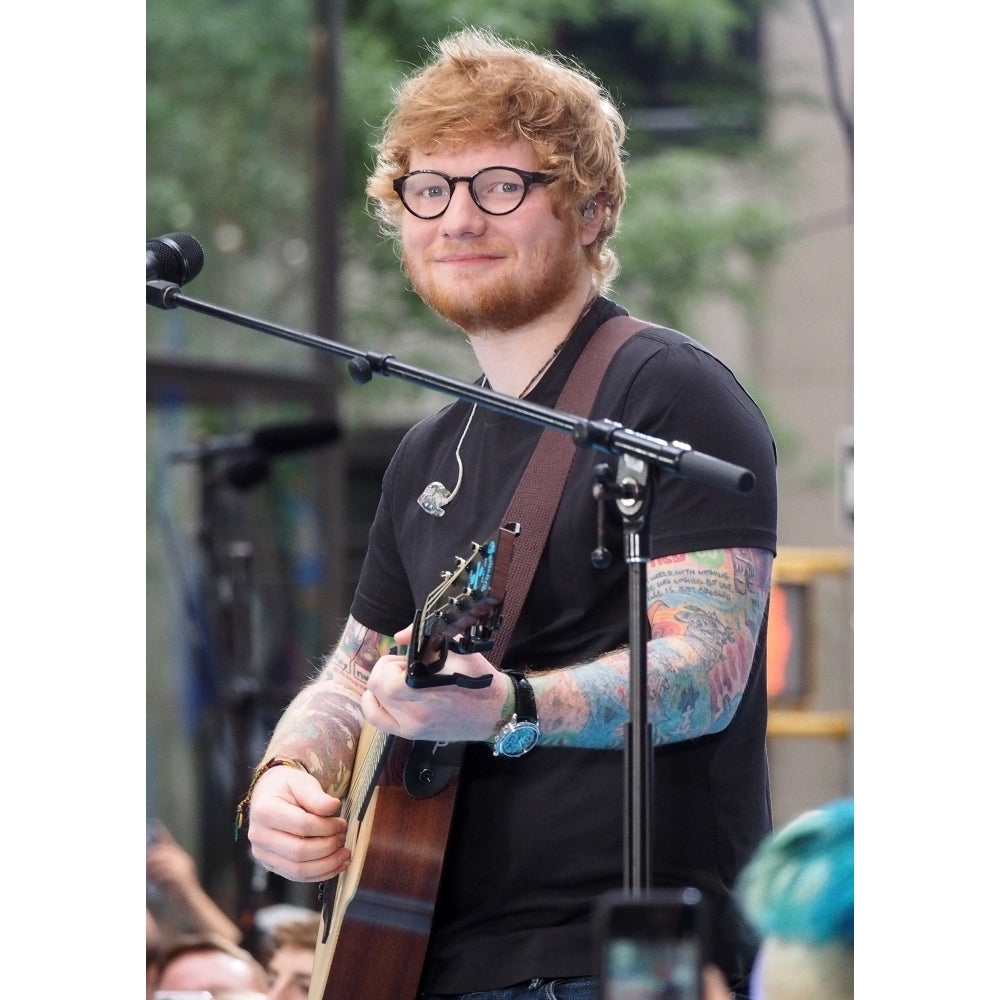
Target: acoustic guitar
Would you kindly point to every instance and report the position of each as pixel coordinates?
(376, 916)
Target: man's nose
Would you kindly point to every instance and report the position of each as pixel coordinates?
(463, 214)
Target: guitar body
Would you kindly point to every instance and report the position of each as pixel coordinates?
(377, 915)
(384, 903)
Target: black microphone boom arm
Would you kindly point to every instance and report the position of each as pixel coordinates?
(605, 435)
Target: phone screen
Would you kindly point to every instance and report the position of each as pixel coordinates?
(650, 946)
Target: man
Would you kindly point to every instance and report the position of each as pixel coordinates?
(289, 969)
(500, 173)
(182, 897)
(210, 963)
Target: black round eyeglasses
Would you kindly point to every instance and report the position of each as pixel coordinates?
(496, 190)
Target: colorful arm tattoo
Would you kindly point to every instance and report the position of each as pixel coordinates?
(705, 611)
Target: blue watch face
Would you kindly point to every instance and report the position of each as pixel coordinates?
(519, 740)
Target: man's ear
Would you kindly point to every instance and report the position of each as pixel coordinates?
(592, 214)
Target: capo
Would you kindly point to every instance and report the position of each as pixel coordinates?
(462, 613)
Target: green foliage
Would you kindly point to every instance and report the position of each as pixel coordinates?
(688, 232)
(228, 124)
(232, 102)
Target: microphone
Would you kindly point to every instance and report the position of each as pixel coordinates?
(278, 439)
(246, 473)
(176, 258)
(293, 437)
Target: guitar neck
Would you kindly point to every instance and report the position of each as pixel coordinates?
(374, 748)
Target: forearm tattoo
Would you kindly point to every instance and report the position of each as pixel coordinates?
(705, 611)
(321, 725)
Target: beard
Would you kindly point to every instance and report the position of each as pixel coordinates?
(507, 301)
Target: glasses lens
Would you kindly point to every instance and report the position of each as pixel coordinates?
(426, 194)
(499, 190)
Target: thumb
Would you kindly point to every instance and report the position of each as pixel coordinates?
(164, 836)
(307, 793)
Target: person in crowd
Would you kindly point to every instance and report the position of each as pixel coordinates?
(798, 893)
(211, 963)
(154, 945)
(290, 966)
(500, 174)
(173, 874)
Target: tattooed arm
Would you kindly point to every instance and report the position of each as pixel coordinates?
(293, 827)
(321, 725)
(705, 611)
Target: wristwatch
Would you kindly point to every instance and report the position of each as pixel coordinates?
(518, 735)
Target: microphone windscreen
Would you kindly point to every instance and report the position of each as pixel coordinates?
(293, 437)
(179, 257)
(247, 472)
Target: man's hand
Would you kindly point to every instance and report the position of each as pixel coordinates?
(447, 713)
(294, 828)
(170, 866)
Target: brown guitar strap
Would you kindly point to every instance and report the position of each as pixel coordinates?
(537, 496)
(362, 921)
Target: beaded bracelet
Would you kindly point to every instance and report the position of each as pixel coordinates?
(243, 809)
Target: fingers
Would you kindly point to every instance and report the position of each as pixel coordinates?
(386, 687)
(301, 859)
(442, 712)
(714, 985)
(294, 829)
(297, 844)
(169, 863)
(293, 801)
(377, 715)
(164, 836)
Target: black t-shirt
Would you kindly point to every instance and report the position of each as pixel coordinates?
(534, 840)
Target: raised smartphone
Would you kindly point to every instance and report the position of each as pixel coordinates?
(650, 944)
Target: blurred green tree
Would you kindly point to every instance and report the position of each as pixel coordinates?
(232, 108)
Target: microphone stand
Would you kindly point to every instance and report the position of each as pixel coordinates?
(631, 488)
(229, 573)
(632, 492)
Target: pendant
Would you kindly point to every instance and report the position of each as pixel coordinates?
(433, 499)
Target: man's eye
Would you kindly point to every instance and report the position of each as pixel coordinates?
(502, 189)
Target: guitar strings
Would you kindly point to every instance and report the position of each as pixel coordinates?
(370, 766)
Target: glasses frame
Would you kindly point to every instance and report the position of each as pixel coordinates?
(529, 177)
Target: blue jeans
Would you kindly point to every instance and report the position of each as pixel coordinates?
(582, 988)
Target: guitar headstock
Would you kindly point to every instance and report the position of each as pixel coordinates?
(462, 612)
